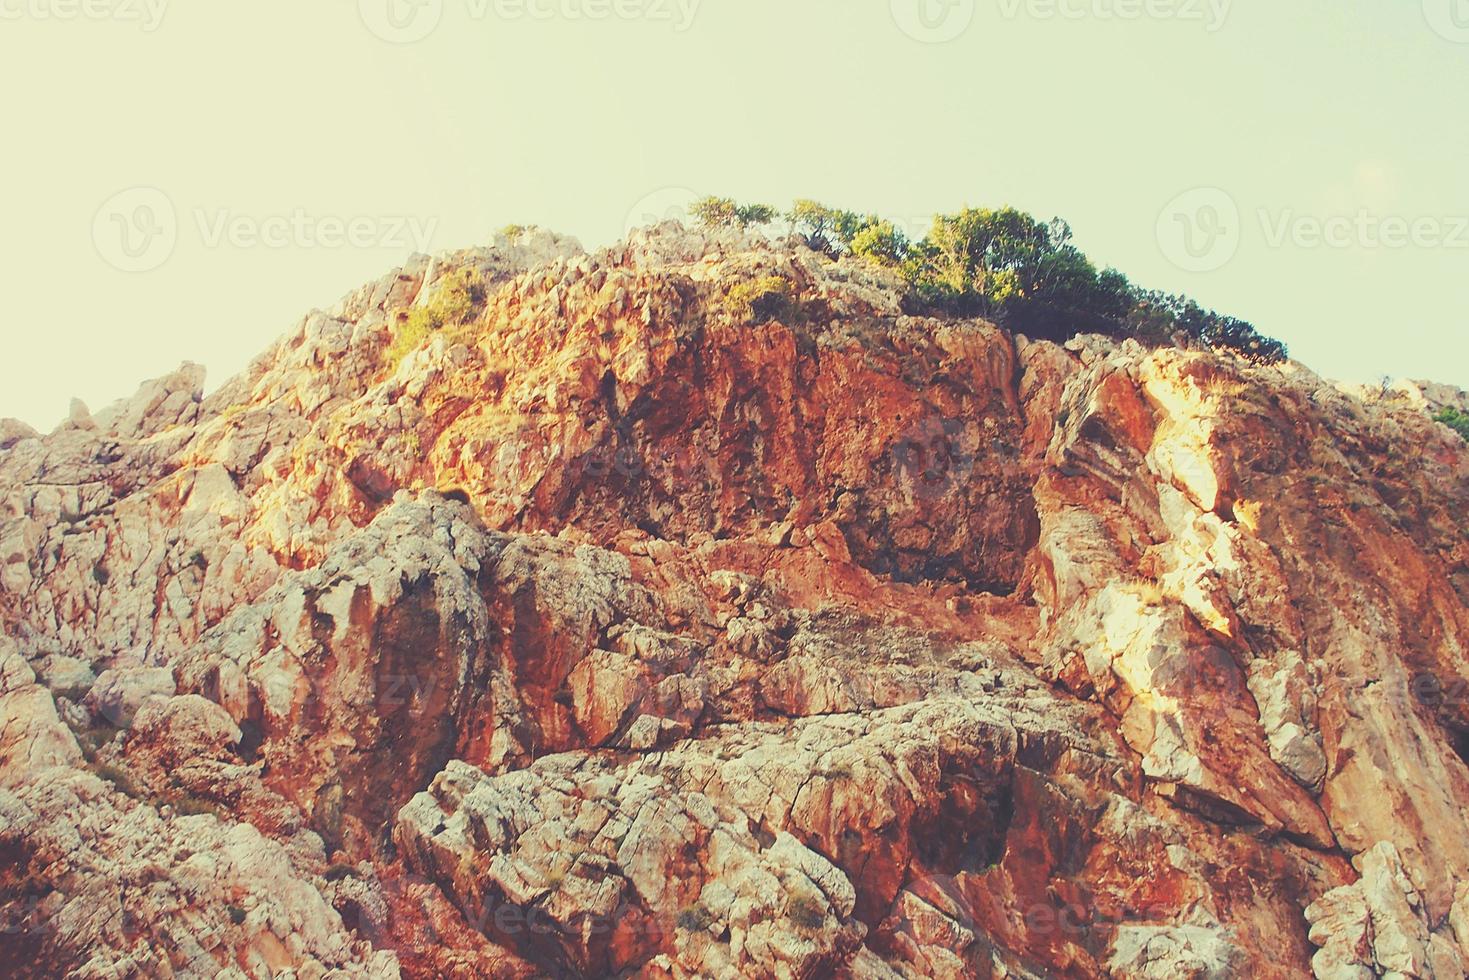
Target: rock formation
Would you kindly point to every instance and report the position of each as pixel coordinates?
(625, 630)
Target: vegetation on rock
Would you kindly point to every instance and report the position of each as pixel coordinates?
(721, 212)
(1009, 266)
(759, 300)
(1001, 629)
(1456, 420)
(453, 304)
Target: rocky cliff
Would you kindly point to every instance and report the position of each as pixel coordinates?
(632, 628)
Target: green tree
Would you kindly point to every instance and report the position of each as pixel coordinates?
(1114, 293)
(723, 212)
(990, 258)
(825, 229)
(1001, 263)
(814, 222)
(715, 212)
(984, 253)
(750, 215)
(1456, 420)
(882, 242)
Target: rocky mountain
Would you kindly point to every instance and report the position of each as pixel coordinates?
(688, 610)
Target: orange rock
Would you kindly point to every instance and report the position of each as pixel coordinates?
(605, 634)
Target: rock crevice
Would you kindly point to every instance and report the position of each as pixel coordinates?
(617, 630)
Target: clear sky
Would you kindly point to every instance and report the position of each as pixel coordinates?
(183, 180)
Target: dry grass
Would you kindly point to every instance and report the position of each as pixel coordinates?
(1149, 591)
(456, 302)
(1222, 387)
(769, 297)
(1247, 512)
(806, 910)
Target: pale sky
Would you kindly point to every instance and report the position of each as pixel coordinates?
(182, 178)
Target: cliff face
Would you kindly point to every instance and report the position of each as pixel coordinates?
(613, 633)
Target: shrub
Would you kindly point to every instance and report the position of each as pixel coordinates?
(723, 212)
(715, 212)
(820, 225)
(993, 260)
(1456, 420)
(118, 777)
(837, 232)
(1000, 263)
(1009, 265)
(695, 918)
(454, 303)
(981, 254)
(408, 337)
(760, 300)
(882, 242)
(806, 910)
(755, 214)
(94, 739)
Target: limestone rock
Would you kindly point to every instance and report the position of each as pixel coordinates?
(620, 630)
(120, 692)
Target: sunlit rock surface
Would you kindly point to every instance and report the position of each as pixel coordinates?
(611, 634)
